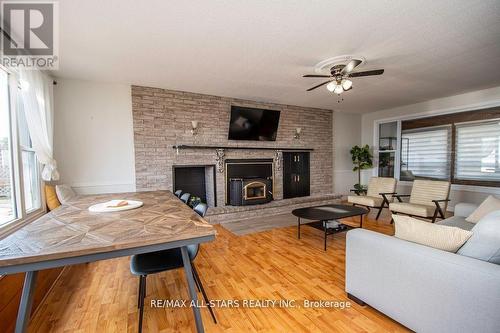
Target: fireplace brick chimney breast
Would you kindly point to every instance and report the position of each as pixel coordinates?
(162, 118)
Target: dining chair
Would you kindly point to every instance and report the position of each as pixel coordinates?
(161, 261)
(178, 193)
(201, 209)
(185, 197)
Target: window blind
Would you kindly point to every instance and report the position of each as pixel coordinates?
(478, 151)
(425, 153)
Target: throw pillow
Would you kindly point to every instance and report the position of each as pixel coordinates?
(485, 241)
(51, 197)
(429, 234)
(64, 193)
(489, 205)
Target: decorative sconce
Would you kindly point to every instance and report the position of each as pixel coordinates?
(194, 127)
(298, 130)
(278, 157)
(219, 152)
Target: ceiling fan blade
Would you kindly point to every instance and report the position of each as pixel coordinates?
(350, 66)
(367, 73)
(319, 85)
(314, 75)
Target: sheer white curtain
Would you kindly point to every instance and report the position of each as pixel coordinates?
(36, 95)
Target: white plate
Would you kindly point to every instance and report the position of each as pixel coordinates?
(103, 207)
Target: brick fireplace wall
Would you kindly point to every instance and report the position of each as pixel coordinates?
(162, 119)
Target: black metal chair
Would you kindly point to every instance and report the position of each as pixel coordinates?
(178, 193)
(160, 261)
(185, 197)
(201, 209)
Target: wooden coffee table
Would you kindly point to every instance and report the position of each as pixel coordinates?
(326, 218)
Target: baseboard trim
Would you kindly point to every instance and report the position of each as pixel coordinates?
(103, 188)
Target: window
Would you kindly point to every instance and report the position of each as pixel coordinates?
(462, 147)
(20, 186)
(31, 181)
(478, 151)
(7, 198)
(425, 153)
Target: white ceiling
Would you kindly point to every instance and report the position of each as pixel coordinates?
(260, 49)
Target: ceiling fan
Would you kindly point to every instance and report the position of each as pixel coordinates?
(340, 76)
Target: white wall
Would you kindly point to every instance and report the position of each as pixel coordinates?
(93, 139)
(94, 143)
(474, 100)
(346, 133)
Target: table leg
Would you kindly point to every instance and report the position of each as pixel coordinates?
(298, 227)
(24, 312)
(324, 226)
(191, 287)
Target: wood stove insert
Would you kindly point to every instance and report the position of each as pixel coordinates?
(249, 182)
(251, 191)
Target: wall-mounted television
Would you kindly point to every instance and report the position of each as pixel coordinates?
(253, 124)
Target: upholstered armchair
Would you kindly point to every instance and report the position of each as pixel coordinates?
(428, 199)
(378, 195)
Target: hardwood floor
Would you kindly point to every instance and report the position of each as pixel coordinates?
(11, 287)
(102, 296)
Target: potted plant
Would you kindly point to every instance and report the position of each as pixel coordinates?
(362, 159)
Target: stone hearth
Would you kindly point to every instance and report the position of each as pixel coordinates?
(237, 213)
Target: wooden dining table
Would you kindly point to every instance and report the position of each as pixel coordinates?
(71, 234)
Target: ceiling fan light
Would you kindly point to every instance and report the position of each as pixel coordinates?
(331, 86)
(346, 84)
(338, 89)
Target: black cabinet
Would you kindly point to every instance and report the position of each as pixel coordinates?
(296, 178)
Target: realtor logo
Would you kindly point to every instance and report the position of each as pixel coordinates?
(30, 34)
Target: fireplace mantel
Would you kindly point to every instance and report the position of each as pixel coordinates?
(237, 147)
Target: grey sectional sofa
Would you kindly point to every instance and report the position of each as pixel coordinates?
(424, 289)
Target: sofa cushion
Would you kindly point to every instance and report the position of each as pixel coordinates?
(464, 209)
(412, 209)
(489, 205)
(365, 200)
(485, 241)
(457, 221)
(429, 234)
(51, 197)
(65, 193)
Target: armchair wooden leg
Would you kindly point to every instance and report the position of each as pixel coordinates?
(441, 214)
(435, 215)
(385, 204)
(438, 210)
